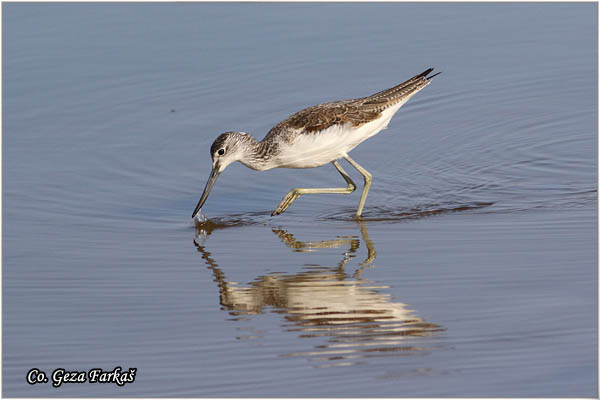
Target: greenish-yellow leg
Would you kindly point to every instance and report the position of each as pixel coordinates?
(368, 178)
(297, 192)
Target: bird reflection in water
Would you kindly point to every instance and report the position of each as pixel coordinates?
(353, 318)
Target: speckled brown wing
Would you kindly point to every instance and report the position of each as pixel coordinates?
(356, 111)
(322, 116)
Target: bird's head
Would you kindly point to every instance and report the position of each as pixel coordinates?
(227, 148)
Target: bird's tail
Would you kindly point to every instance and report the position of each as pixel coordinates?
(429, 77)
(386, 98)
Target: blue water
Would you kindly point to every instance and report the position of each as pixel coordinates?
(474, 270)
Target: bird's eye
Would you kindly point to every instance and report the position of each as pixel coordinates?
(221, 152)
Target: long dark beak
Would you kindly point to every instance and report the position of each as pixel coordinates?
(214, 174)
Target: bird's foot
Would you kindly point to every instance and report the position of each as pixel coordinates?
(286, 202)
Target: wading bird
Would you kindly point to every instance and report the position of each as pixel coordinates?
(313, 137)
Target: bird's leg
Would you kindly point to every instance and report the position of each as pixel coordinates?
(297, 192)
(368, 178)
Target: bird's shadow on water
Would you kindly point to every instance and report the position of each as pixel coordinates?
(341, 318)
(373, 214)
(405, 214)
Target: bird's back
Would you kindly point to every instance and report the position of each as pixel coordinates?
(356, 112)
(320, 134)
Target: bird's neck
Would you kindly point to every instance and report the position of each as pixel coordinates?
(258, 155)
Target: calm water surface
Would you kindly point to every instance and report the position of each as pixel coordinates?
(473, 272)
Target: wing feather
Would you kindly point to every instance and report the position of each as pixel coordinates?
(355, 111)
